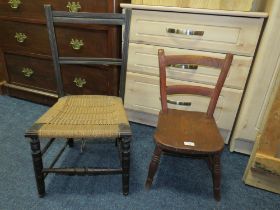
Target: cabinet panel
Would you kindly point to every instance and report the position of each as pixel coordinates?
(238, 35)
(100, 80)
(143, 94)
(26, 37)
(35, 9)
(143, 59)
(31, 72)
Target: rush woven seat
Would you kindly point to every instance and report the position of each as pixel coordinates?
(84, 117)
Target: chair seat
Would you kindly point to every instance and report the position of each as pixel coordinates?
(83, 116)
(188, 132)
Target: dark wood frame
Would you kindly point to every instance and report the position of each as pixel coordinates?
(212, 157)
(123, 141)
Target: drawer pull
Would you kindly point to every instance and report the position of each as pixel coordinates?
(20, 37)
(76, 44)
(14, 3)
(187, 32)
(185, 66)
(27, 72)
(73, 6)
(181, 103)
(79, 82)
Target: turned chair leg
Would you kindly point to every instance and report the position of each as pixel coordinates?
(70, 142)
(153, 167)
(216, 174)
(125, 143)
(38, 165)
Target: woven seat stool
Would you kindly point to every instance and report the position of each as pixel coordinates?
(85, 117)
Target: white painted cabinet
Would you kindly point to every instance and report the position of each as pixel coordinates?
(189, 31)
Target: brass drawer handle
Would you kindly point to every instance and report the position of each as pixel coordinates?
(185, 66)
(79, 82)
(20, 37)
(73, 6)
(181, 103)
(187, 32)
(27, 72)
(14, 3)
(76, 44)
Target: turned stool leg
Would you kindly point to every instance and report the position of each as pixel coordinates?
(125, 143)
(217, 176)
(38, 165)
(153, 167)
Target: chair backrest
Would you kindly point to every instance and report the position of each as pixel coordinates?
(213, 93)
(88, 18)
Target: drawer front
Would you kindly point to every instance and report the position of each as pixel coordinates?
(238, 35)
(100, 80)
(97, 42)
(25, 37)
(142, 94)
(144, 59)
(31, 72)
(35, 9)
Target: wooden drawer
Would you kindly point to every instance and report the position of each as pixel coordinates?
(35, 9)
(30, 72)
(95, 41)
(142, 94)
(35, 41)
(238, 35)
(100, 80)
(144, 59)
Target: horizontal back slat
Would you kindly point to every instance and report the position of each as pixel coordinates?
(189, 89)
(90, 61)
(88, 21)
(193, 59)
(88, 18)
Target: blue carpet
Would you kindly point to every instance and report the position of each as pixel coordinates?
(179, 184)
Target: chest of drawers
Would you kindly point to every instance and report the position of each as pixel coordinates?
(26, 68)
(189, 31)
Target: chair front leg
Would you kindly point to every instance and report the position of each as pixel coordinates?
(38, 165)
(153, 167)
(125, 143)
(217, 176)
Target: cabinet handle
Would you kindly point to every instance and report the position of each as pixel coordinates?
(187, 32)
(79, 82)
(76, 44)
(14, 3)
(20, 37)
(181, 103)
(185, 66)
(73, 6)
(27, 72)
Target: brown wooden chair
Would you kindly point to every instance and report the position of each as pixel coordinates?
(189, 133)
(84, 117)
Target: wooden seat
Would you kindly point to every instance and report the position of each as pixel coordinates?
(189, 133)
(86, 117)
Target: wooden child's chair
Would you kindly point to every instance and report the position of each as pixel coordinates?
(190, 133)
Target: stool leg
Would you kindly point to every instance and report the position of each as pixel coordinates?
(70, 142)
(153, 167)
(217, 176)
(125, 143)
(38, 165)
